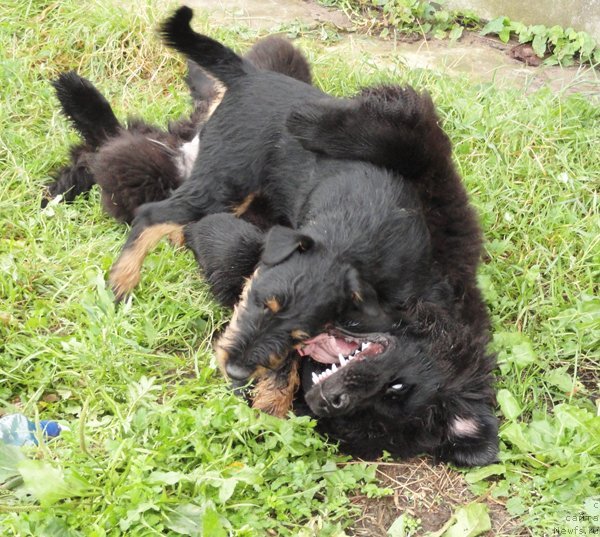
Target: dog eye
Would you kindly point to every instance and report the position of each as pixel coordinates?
(396, 387)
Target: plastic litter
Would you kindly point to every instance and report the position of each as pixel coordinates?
(17, 430)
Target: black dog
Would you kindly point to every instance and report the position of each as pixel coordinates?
(425, 386)
(356, 248)
(141, 162)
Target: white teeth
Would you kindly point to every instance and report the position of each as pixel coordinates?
(344, 360)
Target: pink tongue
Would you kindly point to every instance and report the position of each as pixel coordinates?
(325, 348)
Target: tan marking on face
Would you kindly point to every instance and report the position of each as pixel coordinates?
(231, 332)
(243, 207)
(300, 335)
(275, 360)
(273, 304)
(274, 395)
(125, 273)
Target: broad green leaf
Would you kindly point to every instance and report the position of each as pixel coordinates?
(468, 521)
(10, 457)
(513, 432)
(504, 34)
(539, 45)
(167, 478)
(185, 519)
(509, 405)
(227, 489)
(495, 26)
(456, 32)
(211, 524)
(560, 378)
(515, 506)
(47, 483)
(523, 354)
(478, 474)
(563, 472)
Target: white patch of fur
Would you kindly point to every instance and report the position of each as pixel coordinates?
(464, 427)
(187, 156)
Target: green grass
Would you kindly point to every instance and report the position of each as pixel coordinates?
(158, 444)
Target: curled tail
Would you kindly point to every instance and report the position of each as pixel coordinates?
(218, 60)
(86, 107)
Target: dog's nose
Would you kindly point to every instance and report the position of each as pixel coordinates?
(237, 372)
(339, 401)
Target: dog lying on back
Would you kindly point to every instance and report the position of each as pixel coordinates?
(424, 386)
(423, 383)
(139, 162)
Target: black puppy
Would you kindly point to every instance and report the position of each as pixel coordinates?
(141, 162)
(425, 386)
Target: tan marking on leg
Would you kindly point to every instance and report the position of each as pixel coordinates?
(125, 273)
(273, 397)
(243, 207)
(275, 360)
(177, 238)
(232, 330)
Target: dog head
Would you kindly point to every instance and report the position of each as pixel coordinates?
(297, 289)
(404, 392)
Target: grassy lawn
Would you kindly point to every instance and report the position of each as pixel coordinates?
(157, 444)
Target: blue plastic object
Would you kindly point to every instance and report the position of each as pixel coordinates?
(17, 430)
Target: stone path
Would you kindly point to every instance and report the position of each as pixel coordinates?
(479, 58)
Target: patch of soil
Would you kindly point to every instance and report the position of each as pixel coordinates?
(428, 492)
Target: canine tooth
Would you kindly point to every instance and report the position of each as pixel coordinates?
(343, 361)
(366, 345)
(315, 378)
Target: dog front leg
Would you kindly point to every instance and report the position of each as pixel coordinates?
(152, 222)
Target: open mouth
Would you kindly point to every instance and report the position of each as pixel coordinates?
(336, 349)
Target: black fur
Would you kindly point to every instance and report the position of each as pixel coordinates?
(140, 162)
(440, 361)
(432, 389)
(227, 250)
(369, 254)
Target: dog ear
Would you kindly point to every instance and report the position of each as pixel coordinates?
(363, 294)
(282, 242)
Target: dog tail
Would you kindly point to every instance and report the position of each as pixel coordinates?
(220, 61)
(86, 107)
